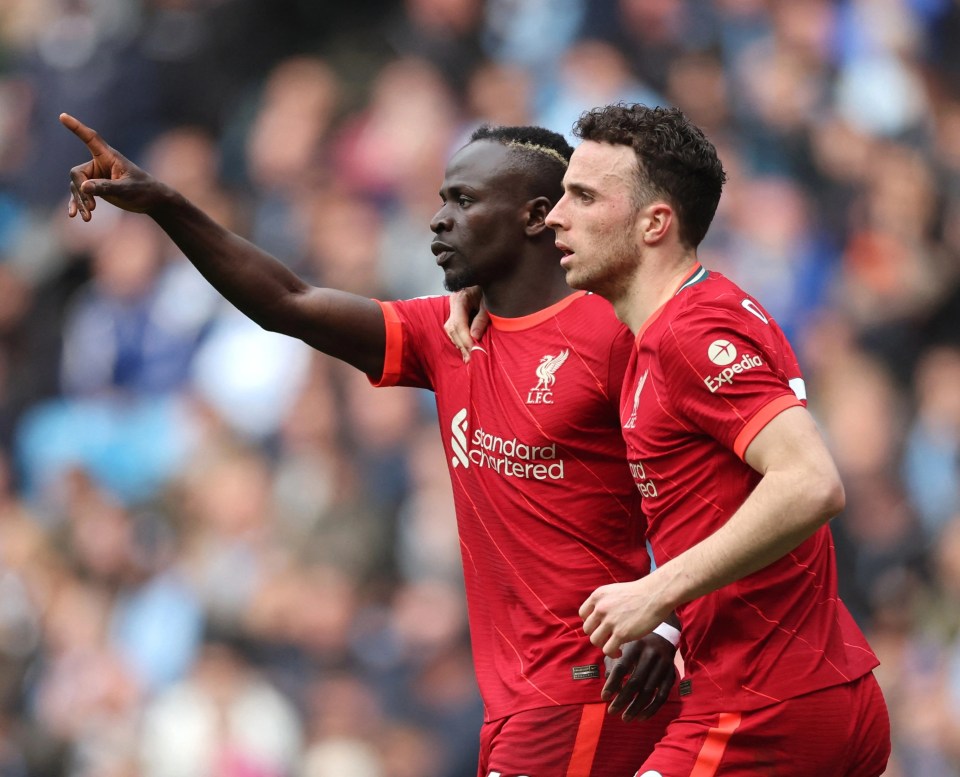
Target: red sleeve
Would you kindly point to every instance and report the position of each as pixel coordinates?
(759, 420)
(414, 335)
(393, 355)
(728, 372)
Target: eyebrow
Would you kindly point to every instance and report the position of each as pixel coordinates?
(578, 188)
(459, 188)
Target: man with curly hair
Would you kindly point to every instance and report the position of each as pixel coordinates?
(737, 484)
(545, 505)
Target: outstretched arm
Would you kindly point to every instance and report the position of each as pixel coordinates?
(799, 491)
(346, 326)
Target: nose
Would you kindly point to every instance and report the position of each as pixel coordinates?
(440, 221)
(554, 218)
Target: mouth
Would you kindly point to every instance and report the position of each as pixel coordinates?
(442, 251)
(566, 251)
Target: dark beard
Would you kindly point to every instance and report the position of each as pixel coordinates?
(456, 280)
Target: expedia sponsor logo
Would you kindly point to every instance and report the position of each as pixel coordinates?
(727, 374)
(721, 352)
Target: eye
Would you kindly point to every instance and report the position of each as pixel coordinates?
(463, 201)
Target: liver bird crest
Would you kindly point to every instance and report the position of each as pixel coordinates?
(546, 370)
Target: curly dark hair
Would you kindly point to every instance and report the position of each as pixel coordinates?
(541, 155)
(676, 162)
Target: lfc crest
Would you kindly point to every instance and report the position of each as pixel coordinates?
(542, 393)
(632, 420)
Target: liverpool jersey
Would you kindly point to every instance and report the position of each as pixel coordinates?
(710, 369)
(545, 504)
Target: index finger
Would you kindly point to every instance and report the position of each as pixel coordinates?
(89, 136)
(614, 681)
(587, 607)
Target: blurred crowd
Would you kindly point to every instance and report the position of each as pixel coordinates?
(224, 555)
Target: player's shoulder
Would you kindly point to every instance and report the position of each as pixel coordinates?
(598, 328)
(427, 300)
(429, 306)
(715, 310)
(596, 309)
(717, 300)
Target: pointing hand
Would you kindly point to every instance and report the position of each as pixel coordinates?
(108, 175)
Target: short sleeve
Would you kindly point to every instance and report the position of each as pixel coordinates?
(729, 370)
(414, 336)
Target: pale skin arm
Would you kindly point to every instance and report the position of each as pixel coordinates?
(800, 490)
(343, 325)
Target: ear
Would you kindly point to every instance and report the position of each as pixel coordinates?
(655, 222)
(537, 210)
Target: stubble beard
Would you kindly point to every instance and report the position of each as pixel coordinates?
(457, 280)
(608, 274)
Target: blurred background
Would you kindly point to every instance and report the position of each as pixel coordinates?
(223, 555)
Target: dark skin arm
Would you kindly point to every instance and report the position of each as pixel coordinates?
(343, 325)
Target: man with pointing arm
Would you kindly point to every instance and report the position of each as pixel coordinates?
(545, 507)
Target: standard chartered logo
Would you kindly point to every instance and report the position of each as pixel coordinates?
(506, 456)
(459, 440)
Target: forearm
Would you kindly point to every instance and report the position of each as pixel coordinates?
(343, 325)
(799, 490)
(252, 280)
(781, 512)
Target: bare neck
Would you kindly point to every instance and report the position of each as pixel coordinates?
(652, 283)
(537, 283)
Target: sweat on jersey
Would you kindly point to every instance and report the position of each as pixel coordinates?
(546, 508)
(710, 369)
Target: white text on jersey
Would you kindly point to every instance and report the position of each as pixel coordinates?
(748, 362)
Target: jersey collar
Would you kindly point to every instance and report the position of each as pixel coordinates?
(697, 274)
(531, 320)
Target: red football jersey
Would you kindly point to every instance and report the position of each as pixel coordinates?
(546, 508)
(710, 370)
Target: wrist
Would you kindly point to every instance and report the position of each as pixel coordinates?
(164, 202)
(671, 585)
(670, 633)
